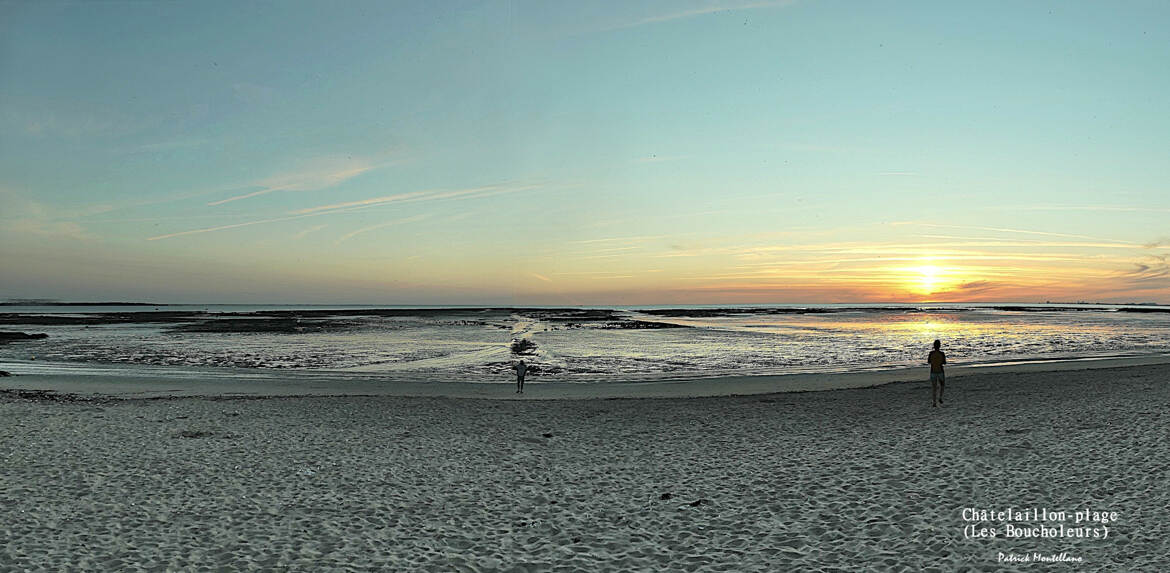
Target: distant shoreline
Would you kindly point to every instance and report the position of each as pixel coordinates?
(58, 303)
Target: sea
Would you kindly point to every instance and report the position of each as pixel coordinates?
(577, 344)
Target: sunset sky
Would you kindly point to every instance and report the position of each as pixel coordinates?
(585, 152)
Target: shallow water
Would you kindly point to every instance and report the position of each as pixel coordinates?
(573, 344)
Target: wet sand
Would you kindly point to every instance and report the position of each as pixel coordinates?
(845, 480)
(152, 382)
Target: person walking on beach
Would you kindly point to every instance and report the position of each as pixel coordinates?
(936, 359)
(521, 369)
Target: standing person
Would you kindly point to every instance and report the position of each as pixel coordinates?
(938, 379)
(521, 368)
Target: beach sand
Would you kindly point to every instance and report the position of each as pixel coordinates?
(844, 480)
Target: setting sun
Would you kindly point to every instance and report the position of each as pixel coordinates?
(928, 279)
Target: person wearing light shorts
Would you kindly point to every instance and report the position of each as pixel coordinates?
(938, 378)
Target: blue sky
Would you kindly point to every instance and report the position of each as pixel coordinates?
(584, 153)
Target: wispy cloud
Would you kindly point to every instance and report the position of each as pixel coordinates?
(413, 196)
(351, 206)
(70, 124)
(1008, 230)
(29, 217)
(459, 216)
(18, 205)
(48, 229)
(309, 230)
(1152, 274)
(326, 174)
(634, 239)
(223, 227)
(837, 260)
(402, 221)
(691, 12)
(994, 242)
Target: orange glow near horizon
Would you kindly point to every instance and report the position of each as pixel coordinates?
(929, 279)
(925, 280)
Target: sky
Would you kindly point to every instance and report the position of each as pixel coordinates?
(585, 153)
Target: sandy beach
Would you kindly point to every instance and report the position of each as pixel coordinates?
(843, 480)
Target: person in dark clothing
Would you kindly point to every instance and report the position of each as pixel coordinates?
(938, 379)
(521, 369)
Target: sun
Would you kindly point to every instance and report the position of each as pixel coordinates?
(929, 278)
(926, 280)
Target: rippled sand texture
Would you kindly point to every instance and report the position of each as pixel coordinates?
(835, 481)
